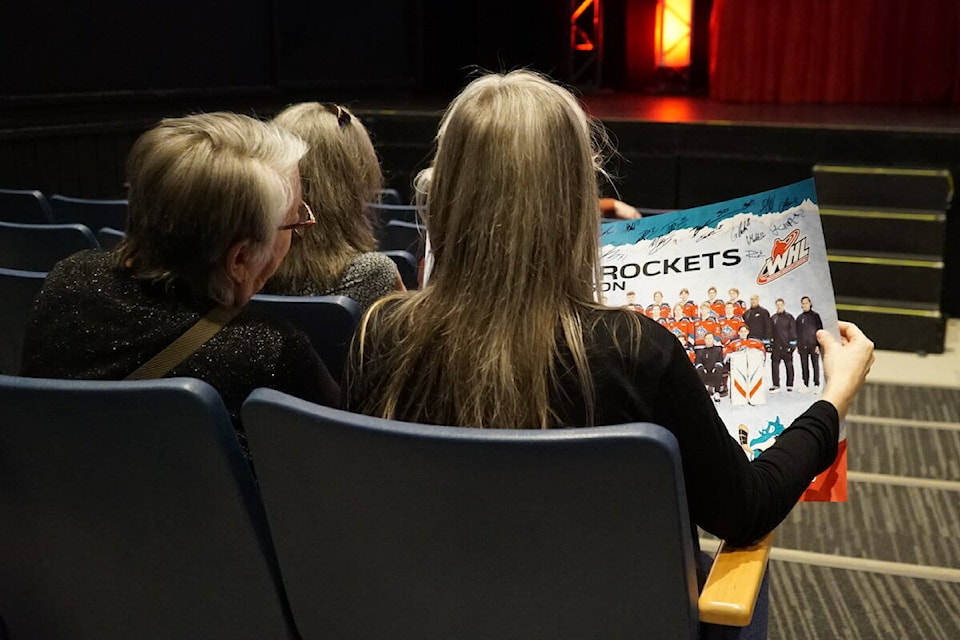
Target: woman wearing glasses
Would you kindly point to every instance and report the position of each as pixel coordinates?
(508, 333)
(214, 200)
(340, 174)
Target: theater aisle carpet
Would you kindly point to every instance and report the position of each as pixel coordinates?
(886, 564)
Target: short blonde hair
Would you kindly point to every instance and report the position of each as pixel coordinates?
(198, 185)
(340, 174)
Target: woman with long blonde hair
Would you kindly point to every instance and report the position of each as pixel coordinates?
(340, 174)
(507, 333)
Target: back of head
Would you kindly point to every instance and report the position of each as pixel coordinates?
(513, 218)
(198, 185)
(513, 191)
(340, 174)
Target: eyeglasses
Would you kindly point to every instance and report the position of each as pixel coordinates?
(305, 219)
(343, 116)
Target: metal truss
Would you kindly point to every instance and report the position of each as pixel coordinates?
(585, 53)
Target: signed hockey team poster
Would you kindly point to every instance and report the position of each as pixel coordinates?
(744, 285)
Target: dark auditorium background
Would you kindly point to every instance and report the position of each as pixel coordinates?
(80, 80)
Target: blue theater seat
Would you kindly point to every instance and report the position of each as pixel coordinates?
(93, 213)
(37, 247)
(329, 322)
(406, 266)
(414, 532)
(18, 291)
(386, 212)
(109, 238)
(398, 235)
(27, 206)
(129, 511)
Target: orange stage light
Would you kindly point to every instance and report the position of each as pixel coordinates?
(672, 37)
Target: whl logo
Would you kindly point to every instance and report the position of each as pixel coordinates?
(788, 254)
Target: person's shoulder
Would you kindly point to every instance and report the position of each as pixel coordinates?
(86, 261)
(267, 343)
(368, 276)
(77, 272)
(372, 261)
(263, 330)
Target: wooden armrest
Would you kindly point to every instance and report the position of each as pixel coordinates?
(730, 594)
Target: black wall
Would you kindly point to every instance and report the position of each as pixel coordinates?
(52, 47)
(358, 43)
(467, 34)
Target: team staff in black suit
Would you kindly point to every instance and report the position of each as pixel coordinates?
(784, 342)
(808, 323)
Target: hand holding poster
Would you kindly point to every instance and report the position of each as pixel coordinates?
(744, 285)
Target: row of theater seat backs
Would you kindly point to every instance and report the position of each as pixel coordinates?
(31, 206)
(37, 247)
(397, 250)
(128, 512)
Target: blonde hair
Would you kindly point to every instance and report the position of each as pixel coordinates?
(340, 175)
(198, 185)
(512, 212)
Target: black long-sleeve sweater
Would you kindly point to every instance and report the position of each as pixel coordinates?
(728, 495)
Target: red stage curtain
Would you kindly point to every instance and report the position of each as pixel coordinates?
(836, 51)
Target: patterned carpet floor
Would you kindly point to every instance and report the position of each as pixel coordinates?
(916, 403)
(885, 564)
(821, 603)
(885, 448)
(880, 522)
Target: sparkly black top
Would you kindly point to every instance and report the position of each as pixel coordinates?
(94, 321)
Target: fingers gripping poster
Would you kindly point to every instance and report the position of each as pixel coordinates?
(744, 285)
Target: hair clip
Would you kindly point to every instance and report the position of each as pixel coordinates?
(343, 116)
